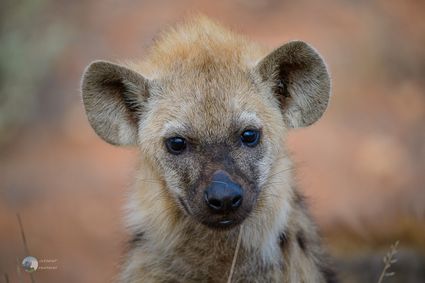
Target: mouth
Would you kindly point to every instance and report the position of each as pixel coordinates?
(225, 222)
(215, 221)
(222, 224)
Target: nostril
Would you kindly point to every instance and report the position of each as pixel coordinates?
(215, 203)
(236, 202)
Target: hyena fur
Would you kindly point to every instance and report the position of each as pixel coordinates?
(209, 112)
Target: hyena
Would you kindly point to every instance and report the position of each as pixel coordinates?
(209, 112)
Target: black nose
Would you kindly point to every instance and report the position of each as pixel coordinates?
(223, 195)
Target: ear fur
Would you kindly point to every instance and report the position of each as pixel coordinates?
(113, 98)
(299, 80)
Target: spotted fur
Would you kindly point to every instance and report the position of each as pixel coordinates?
(207, 84)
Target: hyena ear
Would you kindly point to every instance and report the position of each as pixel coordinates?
(114, 97)
(300, 81)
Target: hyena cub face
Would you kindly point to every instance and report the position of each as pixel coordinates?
(212, 146)
(210, 127)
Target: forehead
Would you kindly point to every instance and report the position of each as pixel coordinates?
(209, 107)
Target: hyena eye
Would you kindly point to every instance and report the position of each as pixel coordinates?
(175, 145)
(250, 137)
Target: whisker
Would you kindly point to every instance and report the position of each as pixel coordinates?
(153, 181)
(272, 183)
(282, 171)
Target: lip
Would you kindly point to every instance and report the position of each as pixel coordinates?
(225, 222)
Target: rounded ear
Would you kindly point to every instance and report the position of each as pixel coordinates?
(113, 98)
(299, 80)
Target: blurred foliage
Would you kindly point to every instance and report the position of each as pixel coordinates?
(28, 47)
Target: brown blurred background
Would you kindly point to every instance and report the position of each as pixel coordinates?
(362, 166)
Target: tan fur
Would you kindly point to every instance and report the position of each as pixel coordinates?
(204, 82)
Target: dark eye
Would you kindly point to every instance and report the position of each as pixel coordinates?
(176, 145)
(250, 137)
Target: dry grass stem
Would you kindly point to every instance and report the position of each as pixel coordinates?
(388, 261)
(235, 256)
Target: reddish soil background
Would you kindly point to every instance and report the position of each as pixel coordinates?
(362, 166)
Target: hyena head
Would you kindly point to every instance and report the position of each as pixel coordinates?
(209, 113)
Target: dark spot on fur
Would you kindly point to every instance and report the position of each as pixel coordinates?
(328, 274)
(282, 93)
(299, 199)
(301, 240)
(283, 240)
(136, 240)
(183, 204)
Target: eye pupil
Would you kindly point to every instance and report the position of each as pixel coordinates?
(176, 145)
(250, 137)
